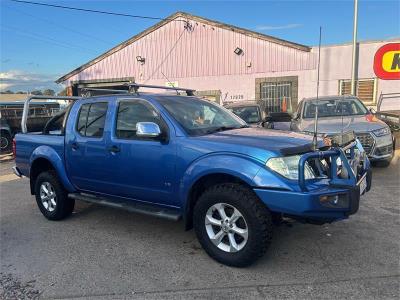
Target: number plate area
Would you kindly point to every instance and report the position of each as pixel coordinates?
(363, 184)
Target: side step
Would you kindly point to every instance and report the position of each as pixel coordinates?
(130, 205)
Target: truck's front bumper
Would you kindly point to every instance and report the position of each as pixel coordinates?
(322, 205)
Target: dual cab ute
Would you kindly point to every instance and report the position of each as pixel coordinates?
(176, 157)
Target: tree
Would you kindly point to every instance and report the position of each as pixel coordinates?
(49, 92)
(36, 92)
(21, 92)
(63, 92)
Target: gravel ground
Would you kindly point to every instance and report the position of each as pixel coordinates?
(12, 288)
(104, 253)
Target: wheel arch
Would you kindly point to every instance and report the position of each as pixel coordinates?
(45, 158)
(203, 183)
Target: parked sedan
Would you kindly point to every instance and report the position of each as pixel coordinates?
(342, 113)
(248, 111)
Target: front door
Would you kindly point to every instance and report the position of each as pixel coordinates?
(143, 168)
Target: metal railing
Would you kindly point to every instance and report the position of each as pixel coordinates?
(25, 112)
(136, 86)
(386, 96)
(276, 96)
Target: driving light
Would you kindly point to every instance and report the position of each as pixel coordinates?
(381, 131)
(288, 167)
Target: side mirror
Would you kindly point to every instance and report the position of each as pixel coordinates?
(147, 129)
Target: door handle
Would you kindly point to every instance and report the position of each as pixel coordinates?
(114, 149)
(74, 146)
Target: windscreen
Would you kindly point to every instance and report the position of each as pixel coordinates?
(199, 117)
(334, 107)
(250, 114)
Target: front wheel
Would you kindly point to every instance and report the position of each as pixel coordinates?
(384, 163)
(232, 225)
(51, 197)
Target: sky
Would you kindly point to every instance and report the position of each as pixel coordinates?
(40, 44)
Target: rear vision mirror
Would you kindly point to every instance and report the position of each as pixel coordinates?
(147, 129)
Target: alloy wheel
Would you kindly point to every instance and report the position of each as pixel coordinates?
(226, 227)
(48, 196)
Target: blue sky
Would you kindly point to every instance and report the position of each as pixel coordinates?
(39, 44)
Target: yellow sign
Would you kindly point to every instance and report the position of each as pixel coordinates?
(387, 62)
(391, 61)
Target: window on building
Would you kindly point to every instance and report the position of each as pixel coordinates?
(91, 119)
(132, 112)
(365, 89)
(276, 96)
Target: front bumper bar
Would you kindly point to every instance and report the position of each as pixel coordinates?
(324, 205)
(326, 199)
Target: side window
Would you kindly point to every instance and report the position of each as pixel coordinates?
(81, 127)
(91, 119)
(132, 112)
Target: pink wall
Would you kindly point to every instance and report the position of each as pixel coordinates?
(204, 51)
(203, 59)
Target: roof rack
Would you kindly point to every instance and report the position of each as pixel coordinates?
(103, 90)
(136, 86)
(24, 128)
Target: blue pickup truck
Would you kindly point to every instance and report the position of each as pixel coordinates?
(180, 157)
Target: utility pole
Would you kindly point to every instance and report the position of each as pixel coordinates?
(353, 66)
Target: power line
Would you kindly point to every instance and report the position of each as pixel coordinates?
(94, 11)
(60, 26)
(45, 39)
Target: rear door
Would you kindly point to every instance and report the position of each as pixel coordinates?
(86, 145)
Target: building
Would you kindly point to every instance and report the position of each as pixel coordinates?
(225, 63)
(12, 97)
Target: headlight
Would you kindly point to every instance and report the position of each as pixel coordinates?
(381, 131)
(288, 167)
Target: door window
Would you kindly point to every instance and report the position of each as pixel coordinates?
(91, 119)
(132, 112)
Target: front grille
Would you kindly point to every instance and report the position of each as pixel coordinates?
(384, 150)
(366, 140)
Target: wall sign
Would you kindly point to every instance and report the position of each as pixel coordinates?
(237, 97)
(387, 62)
(172, 84)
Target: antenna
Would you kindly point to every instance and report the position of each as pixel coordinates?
(170, 83)
(315, 140)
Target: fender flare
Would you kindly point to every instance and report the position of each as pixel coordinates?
(56, 161)
(245, 169)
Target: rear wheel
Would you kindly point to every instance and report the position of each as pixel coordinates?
(51, 197)
(5, 142)
(232, 225)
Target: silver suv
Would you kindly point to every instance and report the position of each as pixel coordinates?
(342, 113)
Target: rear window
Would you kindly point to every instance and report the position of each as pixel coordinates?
(91, 119)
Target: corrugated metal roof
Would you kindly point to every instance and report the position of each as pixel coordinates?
(190, 17)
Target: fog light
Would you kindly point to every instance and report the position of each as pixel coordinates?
(334, 201)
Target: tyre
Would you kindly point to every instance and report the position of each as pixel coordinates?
(5, 142)
(51, 197)
(382, 163)
(232, 225)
